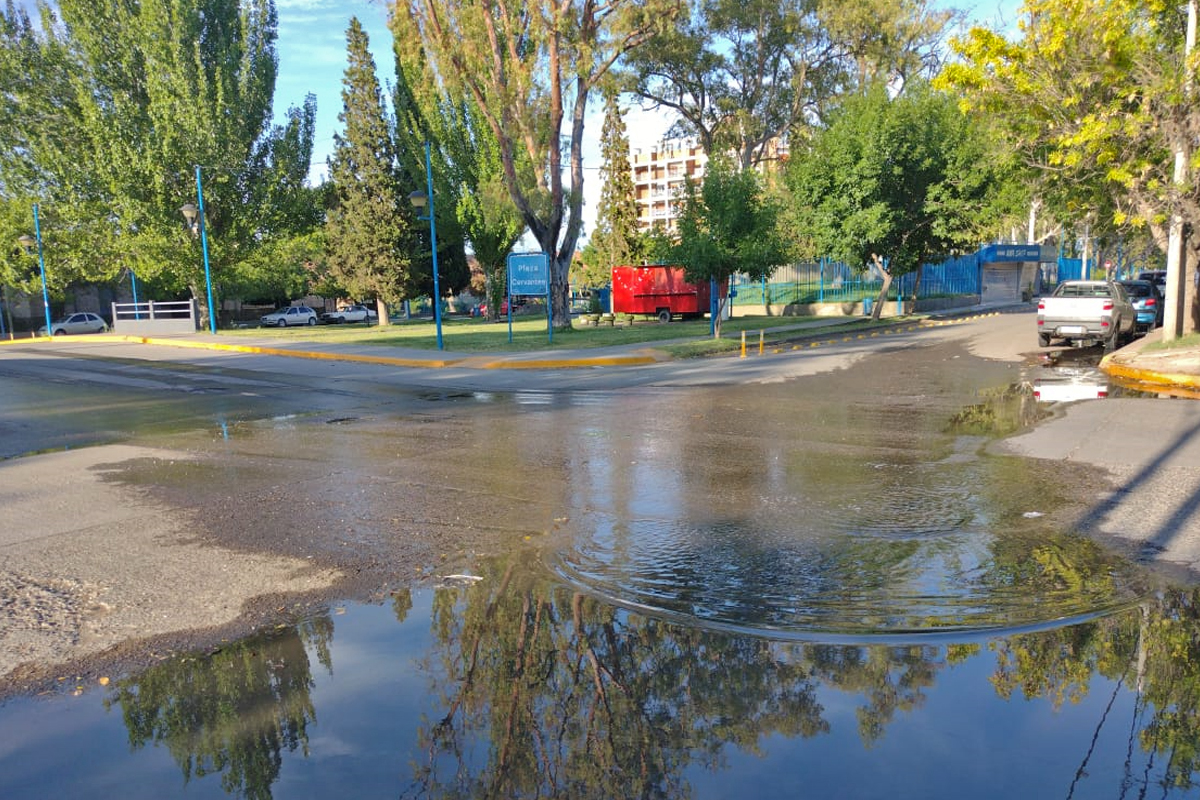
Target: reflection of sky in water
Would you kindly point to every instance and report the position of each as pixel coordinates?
(371, 713)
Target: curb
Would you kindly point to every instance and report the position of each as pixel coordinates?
(787, 344)
(278, 351)
(640, 358)
(1110, 366)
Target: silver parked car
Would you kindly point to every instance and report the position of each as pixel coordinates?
(79, 322)
(292, 315)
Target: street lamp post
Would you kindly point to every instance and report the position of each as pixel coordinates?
(28, 244)
(195, 220)
(419, 199)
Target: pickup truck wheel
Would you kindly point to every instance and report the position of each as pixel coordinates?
(1043, 340)
(1113, 342)
(664, 315)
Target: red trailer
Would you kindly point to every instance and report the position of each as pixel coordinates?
(659, 291)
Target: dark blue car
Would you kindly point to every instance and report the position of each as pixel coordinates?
(1147, 302)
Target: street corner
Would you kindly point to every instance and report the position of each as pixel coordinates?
(1140, 363)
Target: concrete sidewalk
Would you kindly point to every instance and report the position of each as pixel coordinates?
(1176, 367)
(636, 354)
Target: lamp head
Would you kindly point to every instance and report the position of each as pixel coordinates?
(419, 199)
(192, 215)
(26, 241)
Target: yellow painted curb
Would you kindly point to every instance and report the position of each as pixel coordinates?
(277, 351)
(1110, 366)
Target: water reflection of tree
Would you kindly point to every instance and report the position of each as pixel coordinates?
(576, 698)
(232, 712)
(549, 692)
(1155, 651)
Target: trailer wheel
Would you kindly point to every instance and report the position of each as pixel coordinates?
(664, 315)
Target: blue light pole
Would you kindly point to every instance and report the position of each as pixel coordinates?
(28, 243)
(137, 312)
(195, 220)
(419, 200)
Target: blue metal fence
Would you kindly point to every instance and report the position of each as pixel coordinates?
(1069, 269)
(826, 281)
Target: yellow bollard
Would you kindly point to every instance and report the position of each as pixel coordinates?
(743, 344)
(761, 337)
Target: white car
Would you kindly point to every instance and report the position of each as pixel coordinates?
(292, 315)
(80, 322)
(358, 313)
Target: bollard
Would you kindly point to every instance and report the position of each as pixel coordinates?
(743, 344)
(761, 336)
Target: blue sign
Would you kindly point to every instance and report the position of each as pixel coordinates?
(1011, 252)
(529, 274)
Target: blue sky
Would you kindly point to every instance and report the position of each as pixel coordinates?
(312, 58)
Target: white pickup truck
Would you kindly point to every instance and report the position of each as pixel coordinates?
(1085, 312)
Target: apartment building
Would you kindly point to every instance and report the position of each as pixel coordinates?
(658, 177)
(659, 173)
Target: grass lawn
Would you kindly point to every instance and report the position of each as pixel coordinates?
(1190, 340)
(472, 335)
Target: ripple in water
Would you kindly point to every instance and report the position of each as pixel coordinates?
(806, 581)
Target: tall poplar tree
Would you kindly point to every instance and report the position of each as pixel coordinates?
(530, 69)
(370, 228)
(616, 239)
(468, 179)
(121, 101)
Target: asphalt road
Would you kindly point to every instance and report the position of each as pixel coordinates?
(94, 570)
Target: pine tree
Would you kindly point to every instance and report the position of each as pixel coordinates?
(370, 230)
(616, 239)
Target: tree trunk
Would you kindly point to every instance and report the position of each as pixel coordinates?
(382, 310)
(1191, 292)
(881, 265)
(560, 293)
(200, 298)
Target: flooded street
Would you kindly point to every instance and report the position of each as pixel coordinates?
(825, 585)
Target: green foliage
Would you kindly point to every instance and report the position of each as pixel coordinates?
(590, 269)
(1093, 95)
(740, 73)
(728, 225)
(235, 712)
(530, 71)
(657, 244)
(468, 176)
(111, 107)
(892, 180)
(370, 228)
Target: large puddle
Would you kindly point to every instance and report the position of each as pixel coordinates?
(821, 588)
(515, 686)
